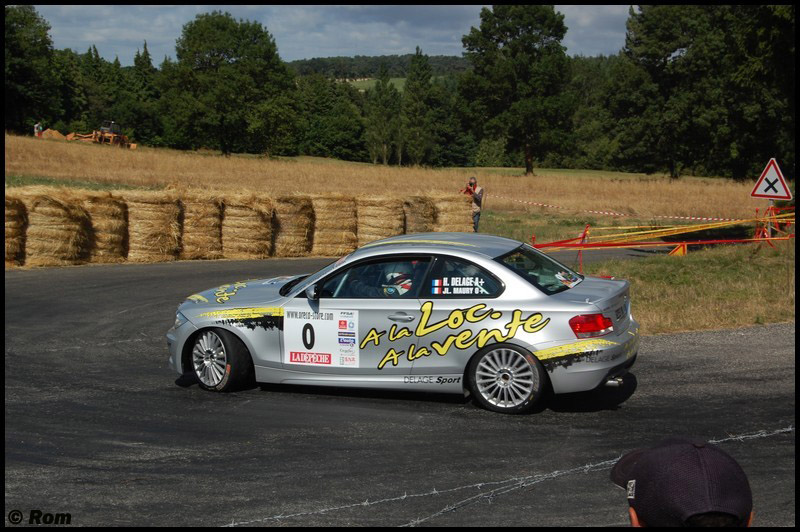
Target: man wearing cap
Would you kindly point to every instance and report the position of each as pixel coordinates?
(684, 482)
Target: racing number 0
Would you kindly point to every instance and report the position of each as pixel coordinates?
(308, 336)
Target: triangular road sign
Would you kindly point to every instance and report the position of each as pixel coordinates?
(771, 184)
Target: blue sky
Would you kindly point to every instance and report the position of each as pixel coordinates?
(303, 32)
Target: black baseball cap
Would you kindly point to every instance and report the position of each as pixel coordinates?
(680, 478)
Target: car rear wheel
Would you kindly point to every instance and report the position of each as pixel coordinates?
(220, 361)
(506, 379)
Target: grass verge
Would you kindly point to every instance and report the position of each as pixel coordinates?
(723, 287)
(29, 181)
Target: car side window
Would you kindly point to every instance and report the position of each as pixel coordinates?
(383, 279)
(458, 278)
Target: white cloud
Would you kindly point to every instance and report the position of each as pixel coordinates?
(315, 31)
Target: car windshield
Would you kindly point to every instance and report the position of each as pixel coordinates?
(546, 274)
(289, 287)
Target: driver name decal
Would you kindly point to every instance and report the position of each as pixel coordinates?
(448, 286)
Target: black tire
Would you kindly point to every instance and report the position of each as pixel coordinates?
(506, 378)
(221, 361)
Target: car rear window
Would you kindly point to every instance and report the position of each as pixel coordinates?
(543, 272)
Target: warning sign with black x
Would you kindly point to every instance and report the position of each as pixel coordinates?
(771, 184)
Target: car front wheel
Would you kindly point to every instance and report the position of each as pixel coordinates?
(506, 379)
(221, 361)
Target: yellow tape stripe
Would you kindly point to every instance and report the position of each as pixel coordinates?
(573, 349)
(680, 229)
(670, 231)
(243, 313)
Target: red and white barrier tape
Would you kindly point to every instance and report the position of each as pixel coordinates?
(611, 213)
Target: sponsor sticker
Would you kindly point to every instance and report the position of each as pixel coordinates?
(296, 357)
(568, 279)
(431, 379)
(323, 338)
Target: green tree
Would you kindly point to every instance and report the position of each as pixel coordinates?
(666, 42)
(759, 89)
(72, 92)
(31, 84)
(592, 146)
(330, 123)
(416, 115)
(96, 75)
(229, 89)
(382, 118)
(139, 110)
(453, 144)
(716, 84)
(519, 75)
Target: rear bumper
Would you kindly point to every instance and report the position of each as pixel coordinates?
(584, 365)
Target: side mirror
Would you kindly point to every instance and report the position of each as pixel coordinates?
(312, 292)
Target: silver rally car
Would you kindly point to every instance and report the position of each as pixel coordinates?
(442, 312)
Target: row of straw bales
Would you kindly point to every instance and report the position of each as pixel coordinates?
(58, 226)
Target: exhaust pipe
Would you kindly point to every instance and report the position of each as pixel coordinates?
(615, 382)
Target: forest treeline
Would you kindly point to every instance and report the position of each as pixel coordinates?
(368, 67)
(703, 90)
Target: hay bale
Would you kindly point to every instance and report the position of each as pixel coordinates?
(154, 226)
(59, 229)
(53, 134)
(246, 227)
(335, 225)
(109, 219)
(294, 226)
(420, 214)
(16, 226)
(453, 213)
(202, 226)
(379, 217)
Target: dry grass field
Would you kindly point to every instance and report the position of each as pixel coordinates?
(725, 287)
(574, 191)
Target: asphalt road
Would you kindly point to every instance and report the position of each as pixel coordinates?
(96, 425)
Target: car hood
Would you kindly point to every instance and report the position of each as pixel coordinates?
(240, 293)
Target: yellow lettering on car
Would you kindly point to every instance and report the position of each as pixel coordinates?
(461, 339)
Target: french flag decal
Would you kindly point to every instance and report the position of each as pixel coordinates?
(437, 286)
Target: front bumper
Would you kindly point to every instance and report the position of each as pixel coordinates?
(176, 339)
(586, 364)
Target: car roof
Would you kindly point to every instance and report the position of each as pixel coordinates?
(461, 243)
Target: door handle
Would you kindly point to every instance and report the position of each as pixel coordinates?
(401, 317)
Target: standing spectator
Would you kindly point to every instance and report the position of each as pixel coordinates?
(37, 130)
(683, 482)
(477, 200)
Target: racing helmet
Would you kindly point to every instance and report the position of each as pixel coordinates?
(397, 283)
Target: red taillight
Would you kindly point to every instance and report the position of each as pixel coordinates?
(589, 325)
